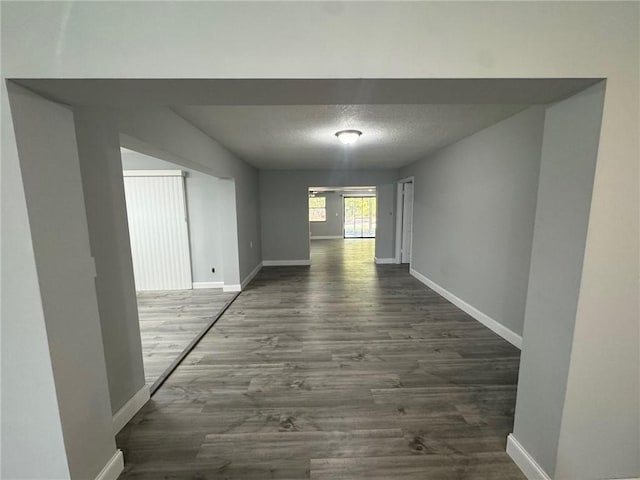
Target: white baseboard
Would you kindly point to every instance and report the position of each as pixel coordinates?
(286, 263)
(249, 277)
(528, 465)
(198, 285)
(524, 461)
(381, 261)
(236, 287)
(327, 237)
(509, 335)
(129, 409)
(113, 468)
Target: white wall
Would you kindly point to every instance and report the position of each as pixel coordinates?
(437, 40)
(386, 221)
(568, 161)
(204, 205)
(31, 424)
(473, 215)
(103, 189)
(161, 133)
(604, 363)
(47, 150)
(285, 214)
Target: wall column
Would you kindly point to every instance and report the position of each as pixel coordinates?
(103, 187)
(55, 300)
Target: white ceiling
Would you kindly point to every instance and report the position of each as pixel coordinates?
(302, 136)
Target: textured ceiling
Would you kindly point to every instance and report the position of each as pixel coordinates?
(302, 136)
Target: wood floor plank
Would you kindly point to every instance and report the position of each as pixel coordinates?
(169, 320)
(342, 370)
(490, 466)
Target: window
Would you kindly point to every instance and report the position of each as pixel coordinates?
(317, 209)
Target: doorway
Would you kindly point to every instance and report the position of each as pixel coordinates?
(342, 224)
(359, 217)
(175, 218)
(404, 221)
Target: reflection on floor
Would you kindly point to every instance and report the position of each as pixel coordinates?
(169, 320)
(341, 370)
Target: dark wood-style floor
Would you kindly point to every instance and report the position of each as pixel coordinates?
(169, 320)
(342, 370)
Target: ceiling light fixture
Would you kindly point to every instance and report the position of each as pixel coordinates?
(348, 137)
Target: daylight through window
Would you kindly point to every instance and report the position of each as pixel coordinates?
(317, 209)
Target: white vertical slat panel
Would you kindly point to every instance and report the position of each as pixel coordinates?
(158, 230)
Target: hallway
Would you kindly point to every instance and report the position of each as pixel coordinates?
(341, 370)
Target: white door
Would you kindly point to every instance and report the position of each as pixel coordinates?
(158, 229)
(407, 222)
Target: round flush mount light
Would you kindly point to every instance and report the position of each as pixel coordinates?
(348, 137)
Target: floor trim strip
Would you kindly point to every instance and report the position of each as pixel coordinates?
(176, 363)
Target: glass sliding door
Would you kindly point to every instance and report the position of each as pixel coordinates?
(359, 217)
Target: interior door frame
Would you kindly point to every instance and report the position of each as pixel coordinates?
(399, 217)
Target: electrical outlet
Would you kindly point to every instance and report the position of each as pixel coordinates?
(250, 244)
